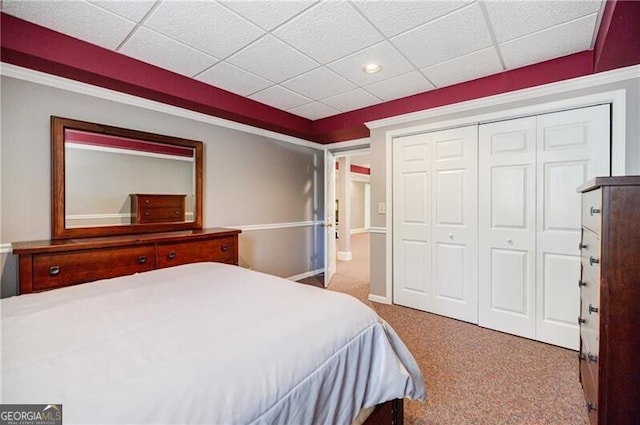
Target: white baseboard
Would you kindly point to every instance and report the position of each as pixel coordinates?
(305, 275)
(344, 255)
(362, 230)
(379, 299)
(5, 248)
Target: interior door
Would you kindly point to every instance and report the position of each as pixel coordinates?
(572, 147)
(411, 222)
(329, 217)
(454, 223)
(506, 250)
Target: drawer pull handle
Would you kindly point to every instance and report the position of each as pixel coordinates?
(594, 211)
(225, 248)
(147, 213)
(142, 259)
(593, 261)
(582, 246)
(592, 309)
(581, 283)
(177, 212)
(171, 255)
(581, 321)
(592, 358)
(54, 270)
(146, 201)
(591, 407)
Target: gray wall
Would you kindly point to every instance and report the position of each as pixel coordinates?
(357, 204)
(379, 170)
(248, 179)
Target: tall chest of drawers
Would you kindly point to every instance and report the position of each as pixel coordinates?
(609, 318)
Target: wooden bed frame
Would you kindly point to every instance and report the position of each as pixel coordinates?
(387, 413)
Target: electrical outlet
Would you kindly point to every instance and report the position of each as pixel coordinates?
(382, 208)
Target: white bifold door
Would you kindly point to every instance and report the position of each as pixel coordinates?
(435, 222)
(529, 219)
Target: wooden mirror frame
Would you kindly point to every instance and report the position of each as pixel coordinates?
(58, 228)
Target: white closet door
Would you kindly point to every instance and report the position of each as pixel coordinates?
(454, 225)
(572, 147)
(411, 222)
(506, 256)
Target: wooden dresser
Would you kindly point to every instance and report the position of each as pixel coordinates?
(44, 265)
(157, 208)
(610, 299)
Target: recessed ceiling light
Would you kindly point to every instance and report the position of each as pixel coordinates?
(371, 68)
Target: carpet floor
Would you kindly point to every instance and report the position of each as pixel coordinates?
(473, 375)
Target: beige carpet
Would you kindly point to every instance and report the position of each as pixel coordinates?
(474, 375)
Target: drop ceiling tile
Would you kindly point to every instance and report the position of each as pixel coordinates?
(384, 54)
(515, 19)
(156, 49)
(328, 31)
(268, 14)
(400, 86)
(393, 17)
(77, 19)
(456, 34)
(558, 41)
(134, 10)
(280, 98)
(319, 84)
(464, 68)
(314, 111)
(272, 59)
(206, 26)
(354, 99)
(233, 79)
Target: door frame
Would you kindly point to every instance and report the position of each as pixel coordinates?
(617, 99)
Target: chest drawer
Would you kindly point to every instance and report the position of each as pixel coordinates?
(590, 252)
(158, 208)
(590, 387)
(68, 268)
(592, 210)
(222, 250)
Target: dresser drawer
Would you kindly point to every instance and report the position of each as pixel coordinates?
(590, 322)
(222, 250)
(158, 208)
(592, 210)
(68, 268)
(590, 251)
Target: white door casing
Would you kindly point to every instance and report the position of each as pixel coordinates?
(435, 206)
(572, 147)
(506, 226)
(329, 217)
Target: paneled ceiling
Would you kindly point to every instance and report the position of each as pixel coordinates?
(307, 57)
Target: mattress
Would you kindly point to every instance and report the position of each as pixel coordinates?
(202, 343)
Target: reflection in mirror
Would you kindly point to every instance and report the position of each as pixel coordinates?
(103, 171)
(110, 181)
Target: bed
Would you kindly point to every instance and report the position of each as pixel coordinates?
(204, 343)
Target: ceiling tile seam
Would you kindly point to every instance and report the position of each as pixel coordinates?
(393, 46)
(594, 37)
(492, 33)
(551, 28)
(224, 4)
(138, 24)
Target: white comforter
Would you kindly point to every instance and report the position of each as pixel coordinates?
(202, 343)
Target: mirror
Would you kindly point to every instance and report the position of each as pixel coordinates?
(112, 181)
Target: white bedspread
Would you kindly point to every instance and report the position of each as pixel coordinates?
(203, 343)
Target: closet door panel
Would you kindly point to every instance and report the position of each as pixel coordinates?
(506, 268)
(572, 147)
(412, 222)
(454, 212)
